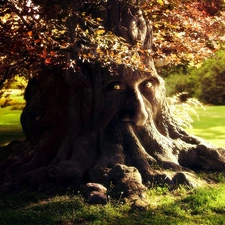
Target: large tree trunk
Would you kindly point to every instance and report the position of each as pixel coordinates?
(104, 124)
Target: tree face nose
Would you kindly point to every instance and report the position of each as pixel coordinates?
(134, 109)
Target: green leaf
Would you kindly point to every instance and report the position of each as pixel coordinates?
(161, 2)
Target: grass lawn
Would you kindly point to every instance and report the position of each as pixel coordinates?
(210, 125)
(204, 206)
(10, 128)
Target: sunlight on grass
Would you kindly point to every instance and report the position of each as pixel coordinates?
(211, 124)
(10, 127)
(12, 97)
(181, 206)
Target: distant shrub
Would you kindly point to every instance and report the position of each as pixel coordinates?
(177, 80)
(206, 83)
(209, 80)
(177, 83)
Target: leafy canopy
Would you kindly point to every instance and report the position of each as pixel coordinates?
(33, 33)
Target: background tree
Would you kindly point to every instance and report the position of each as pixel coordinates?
(96, 109)
(210, 80)
(204, 83)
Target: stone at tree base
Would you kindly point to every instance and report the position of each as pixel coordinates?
(140, 205)
(95, 193)
(127, 181)
(187, 179)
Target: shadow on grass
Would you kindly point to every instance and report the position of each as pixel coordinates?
(214, 134)
(9, 136)
(210, 125)
(36, 209)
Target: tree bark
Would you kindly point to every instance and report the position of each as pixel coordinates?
(99, 125)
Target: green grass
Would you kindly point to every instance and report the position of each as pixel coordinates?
(210, 125)
(184, 207)
(10, 128)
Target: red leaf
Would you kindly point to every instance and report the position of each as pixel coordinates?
(48, 61)
(52, 53)
(30, 33)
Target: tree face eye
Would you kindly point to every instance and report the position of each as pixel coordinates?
(147, 84)
(116, 86)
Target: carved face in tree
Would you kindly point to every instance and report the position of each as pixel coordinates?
(131, 97)
(111, 126)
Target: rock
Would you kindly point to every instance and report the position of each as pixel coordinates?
(185, 178)
(139, 205)
(95, 193)
(127, 180)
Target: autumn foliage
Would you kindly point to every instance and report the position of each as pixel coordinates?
(33, 33)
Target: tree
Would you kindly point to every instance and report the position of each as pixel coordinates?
(102, 116)
(211, 80)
